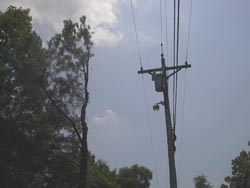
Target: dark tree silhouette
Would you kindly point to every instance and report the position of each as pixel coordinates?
(68, 76)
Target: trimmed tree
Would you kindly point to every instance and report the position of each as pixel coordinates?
(68, 77)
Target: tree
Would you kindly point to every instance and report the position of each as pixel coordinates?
(240, 172)
(21, 101)
(24, 133)
(136, 177)
(201, 182)
(44, 96)
(223, 186)
(100, 176)
(68, 76)
(33, 151)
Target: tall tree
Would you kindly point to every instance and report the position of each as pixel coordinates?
(44, 96)
(240, 172)
(24, 133)
(201, 182)
(68, 76)
(34, 151)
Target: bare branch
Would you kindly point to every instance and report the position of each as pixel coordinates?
(64, 114)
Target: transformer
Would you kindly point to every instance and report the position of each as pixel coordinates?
(158, 79)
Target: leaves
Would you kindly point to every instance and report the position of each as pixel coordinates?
(30, 127)
(240, 171)
(69, 61)
(137, 177)
(100, 176)
(44, 98)
(201, 182)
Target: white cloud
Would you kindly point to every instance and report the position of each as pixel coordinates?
(108, 118)
(100, 16)
(104, 37)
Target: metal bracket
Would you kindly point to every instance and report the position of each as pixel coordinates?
(168, 76)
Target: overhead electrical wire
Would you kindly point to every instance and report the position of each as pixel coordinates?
(161, 23)
(189, 28)
(145, 94)
(166, 12)
(182, 126)
(136, 34)
(176, 41)
(167, 57)
(178, 35)
(177, 63)
(174, 76)
(184, 96)
(149, 127)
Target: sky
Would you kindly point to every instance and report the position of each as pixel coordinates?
(213, 96)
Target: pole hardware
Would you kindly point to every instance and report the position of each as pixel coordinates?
(156, 107)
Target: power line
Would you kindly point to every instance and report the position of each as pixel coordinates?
(189, 28)
(163, 88)
(182, 126)
(149, 128)
(161, 20)
(145, 95)
(166, 11)
(136, 34)
(184, 96)
(177, 63)
(167, 57)
(178, 34)
(174, 76)
(176, 41)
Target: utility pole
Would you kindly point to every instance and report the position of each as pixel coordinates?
(161, 85)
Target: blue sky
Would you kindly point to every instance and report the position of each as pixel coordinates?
(216, 120)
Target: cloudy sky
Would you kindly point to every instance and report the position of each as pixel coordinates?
(215, 125)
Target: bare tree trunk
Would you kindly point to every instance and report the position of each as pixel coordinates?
(83, 158)
(84, 147)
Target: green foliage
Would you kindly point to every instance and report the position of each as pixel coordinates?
(201, 182)
(21, 102)
(136, 176)
(223, 186)
(67, 90)
(31, 142)
(44, 95)
(69, 54)
(100, 176)
(20, 58)
(240, 172)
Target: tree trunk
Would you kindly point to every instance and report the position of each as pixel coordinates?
(84, 143)
(84, 147)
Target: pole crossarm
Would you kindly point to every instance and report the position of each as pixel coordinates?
(166, 68)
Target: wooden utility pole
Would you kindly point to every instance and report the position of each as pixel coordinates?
(161, 85)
